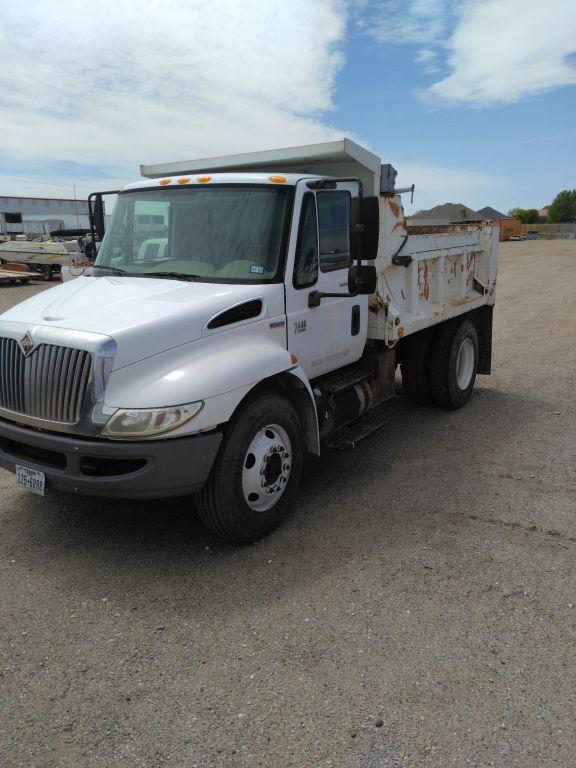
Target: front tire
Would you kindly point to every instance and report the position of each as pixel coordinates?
(255, 477)
(453, 364)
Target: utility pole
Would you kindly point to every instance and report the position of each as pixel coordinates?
(76, 205)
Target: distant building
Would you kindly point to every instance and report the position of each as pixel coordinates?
(491, 214)
(457, 213)
(509, 227)
(543, 212)
(441, 215)
(41, 215)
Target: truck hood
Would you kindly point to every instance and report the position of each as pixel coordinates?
(145, 316)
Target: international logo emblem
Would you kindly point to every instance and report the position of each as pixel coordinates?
(26, 344)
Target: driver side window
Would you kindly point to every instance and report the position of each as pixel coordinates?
(306, 260)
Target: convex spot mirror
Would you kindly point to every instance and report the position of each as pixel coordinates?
(362, 280)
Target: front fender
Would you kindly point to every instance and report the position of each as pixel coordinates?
(220, 370)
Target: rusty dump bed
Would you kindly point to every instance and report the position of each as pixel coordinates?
(429, 274)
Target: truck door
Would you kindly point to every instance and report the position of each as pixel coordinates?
(332, 334)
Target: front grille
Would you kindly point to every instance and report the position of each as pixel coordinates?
(49, 384)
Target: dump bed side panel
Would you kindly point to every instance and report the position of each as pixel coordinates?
(429, 274)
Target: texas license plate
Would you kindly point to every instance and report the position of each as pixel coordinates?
(31, 479)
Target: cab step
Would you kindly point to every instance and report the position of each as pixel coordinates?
(336, 384)
(351, 434)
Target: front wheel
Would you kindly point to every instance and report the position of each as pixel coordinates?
(253, 482)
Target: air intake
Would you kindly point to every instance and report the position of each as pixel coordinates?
(246, 311)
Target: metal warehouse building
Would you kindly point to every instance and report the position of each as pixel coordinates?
(41, 215)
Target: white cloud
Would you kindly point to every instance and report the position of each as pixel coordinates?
(105, 86)
(119, 82)
(405, 21)
(503, 51)
(494, 51)
(428, 59)
(29, 182)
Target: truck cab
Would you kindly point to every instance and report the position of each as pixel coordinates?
(241, 312)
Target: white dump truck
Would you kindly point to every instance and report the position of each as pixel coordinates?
(242, 311)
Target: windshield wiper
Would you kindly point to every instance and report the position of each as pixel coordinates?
(170, 276)
(161, 275)
(113, 270)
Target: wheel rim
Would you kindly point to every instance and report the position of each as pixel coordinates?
(267, 466)
(465, 364)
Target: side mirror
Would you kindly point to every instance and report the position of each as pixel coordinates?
(362, 280)
(370, 227)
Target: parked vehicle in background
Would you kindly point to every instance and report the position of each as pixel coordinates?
(241, 311)
(42, 256)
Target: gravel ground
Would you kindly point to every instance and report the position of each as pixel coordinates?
(418, 609)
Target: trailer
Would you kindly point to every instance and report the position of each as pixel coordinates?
(242, 311)
(45, 257)
(16, 273)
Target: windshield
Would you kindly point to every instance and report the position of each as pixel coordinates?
(214, 234)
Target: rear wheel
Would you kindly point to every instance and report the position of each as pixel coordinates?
(453, 364)
(253, 482)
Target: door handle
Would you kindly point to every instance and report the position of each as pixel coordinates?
(355, 324)
(315, 297)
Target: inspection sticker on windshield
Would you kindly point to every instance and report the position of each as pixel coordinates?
(31, 479)
(257, 269)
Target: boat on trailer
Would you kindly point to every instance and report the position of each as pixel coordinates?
(46, 257)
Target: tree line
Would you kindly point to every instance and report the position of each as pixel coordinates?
(560, 211)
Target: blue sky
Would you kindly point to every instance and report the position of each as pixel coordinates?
(472, 100)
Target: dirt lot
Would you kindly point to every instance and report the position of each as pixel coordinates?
(419, 609)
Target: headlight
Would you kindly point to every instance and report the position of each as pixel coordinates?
(128, 423)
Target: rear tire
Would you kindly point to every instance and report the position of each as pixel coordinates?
(253, 482)
(453, 364)
(414, 368)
